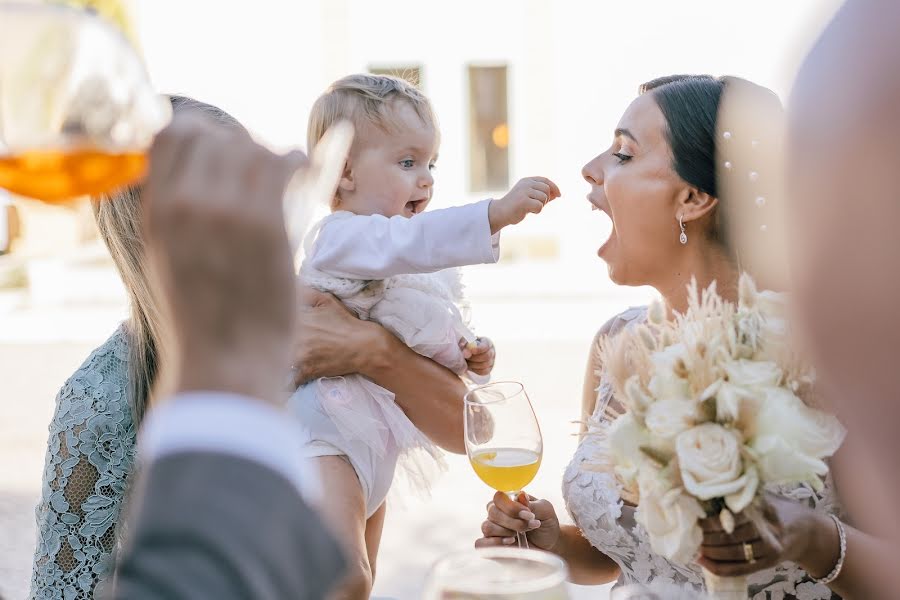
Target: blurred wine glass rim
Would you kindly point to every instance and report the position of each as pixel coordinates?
(10, 7)
(500, 561)
(471, 395)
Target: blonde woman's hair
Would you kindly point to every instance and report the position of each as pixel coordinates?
(365, 100)
(118, 218)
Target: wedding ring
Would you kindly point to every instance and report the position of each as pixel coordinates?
(748, 553)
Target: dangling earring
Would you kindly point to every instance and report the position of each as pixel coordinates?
(683, 237)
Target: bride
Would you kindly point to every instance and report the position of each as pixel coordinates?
(670, 205)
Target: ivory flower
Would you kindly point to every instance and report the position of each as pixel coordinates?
(670, 518)
(791, 439)
(712, 466)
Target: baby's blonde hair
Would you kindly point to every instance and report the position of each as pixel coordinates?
(365, 100)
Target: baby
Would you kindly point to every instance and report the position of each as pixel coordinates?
(393, 263)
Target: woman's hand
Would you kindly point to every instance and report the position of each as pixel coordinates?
(506, 517)
(330, 341)
(795, 533)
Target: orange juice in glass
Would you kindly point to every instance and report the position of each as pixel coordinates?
(503, 438)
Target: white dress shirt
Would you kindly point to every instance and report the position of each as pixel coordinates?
(230, 424)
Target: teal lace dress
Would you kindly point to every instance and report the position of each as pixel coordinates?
(90, 456)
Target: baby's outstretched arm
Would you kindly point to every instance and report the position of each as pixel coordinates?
(378, 247)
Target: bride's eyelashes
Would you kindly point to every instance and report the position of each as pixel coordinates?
(623, 158)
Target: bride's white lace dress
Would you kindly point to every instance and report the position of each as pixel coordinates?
(593, 501)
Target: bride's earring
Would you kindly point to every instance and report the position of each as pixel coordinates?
(683, 237)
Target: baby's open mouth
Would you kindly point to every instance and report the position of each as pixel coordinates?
(415, 206)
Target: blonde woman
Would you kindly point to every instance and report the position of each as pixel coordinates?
(91, 446)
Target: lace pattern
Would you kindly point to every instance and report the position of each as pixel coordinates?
(593, 500)
(90, 455)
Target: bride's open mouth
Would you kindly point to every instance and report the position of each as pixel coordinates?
(601, 207)
(609, 241)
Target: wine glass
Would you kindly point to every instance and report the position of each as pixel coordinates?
(77, 110)
(498, 574)
(78, 114)
(503, 438)
(655, 591)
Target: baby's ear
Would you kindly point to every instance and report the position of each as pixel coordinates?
(347, 182)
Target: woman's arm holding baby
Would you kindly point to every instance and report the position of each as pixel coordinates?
(330, 342)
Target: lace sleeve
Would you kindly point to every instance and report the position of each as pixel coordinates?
(598, 401)
(90, 453)
(594, 496)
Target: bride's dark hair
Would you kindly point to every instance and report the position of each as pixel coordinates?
(726, 137)
(690, 105)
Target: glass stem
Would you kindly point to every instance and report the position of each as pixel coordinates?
(521, 537)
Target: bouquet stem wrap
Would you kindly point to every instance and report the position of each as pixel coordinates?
(725, 588)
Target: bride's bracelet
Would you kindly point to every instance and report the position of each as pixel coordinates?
(836, 571)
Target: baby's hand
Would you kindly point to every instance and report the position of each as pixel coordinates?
(479, 355)
(530, 195)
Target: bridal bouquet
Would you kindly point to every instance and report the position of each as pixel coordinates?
(718, 405)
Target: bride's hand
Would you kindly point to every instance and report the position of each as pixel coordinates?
(795, 533)
(506, 517)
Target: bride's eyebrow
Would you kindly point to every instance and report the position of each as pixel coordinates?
(626, 133)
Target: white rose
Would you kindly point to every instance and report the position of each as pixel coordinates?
(667, 418)
(753, 375)
(626, 436)
(670, 518)
(791, 439)
(711, 466)
(665, 383)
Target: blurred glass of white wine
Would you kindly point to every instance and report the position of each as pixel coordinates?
(77, 110)
(498, 574)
